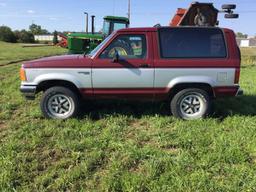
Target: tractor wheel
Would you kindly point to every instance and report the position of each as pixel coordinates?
(123, 48)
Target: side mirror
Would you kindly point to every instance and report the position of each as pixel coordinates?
(116, 57)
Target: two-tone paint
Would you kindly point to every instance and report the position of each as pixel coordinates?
(151, 78)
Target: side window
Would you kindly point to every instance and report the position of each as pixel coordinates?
(192, 43)
(127, 46)
(106, 27)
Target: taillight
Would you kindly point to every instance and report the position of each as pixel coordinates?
(23, 74)
(237, 75)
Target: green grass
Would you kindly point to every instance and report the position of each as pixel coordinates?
(248, 56)
(126, 146)
(15, 52)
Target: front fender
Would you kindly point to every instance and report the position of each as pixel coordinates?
(57, 76)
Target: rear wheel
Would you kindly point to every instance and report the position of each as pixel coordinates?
(59, 103)
(191, 104)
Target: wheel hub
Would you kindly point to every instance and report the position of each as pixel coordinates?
(191, 105)
(59, 105)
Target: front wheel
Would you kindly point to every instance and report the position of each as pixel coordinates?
(59, 103)
(190, 104)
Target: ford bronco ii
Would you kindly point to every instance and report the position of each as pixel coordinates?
(187, 66)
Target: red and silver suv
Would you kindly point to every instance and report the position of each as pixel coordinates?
(188, 66)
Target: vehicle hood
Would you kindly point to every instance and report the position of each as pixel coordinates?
(63, 61)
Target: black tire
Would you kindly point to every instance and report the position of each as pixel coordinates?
(231, 16)
(181, 109)
(55, 97)
(228, 6)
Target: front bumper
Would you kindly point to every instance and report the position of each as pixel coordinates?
(29, 91)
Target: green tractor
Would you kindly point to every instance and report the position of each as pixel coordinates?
(79, 43)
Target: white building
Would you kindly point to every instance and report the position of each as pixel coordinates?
(246, 42)
(45, 38)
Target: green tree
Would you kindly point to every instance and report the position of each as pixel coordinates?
(55, 38)
(37, 30)
(24, 36)
(241, 35)
(7, 35)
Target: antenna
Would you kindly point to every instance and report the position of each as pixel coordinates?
(129, 10)
(114, 7)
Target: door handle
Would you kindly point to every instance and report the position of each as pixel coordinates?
(144, 65)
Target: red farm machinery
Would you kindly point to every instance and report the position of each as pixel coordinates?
(202, 14)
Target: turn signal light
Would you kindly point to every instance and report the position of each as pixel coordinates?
(22, 74)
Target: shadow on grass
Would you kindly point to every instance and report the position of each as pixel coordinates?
(222, 108)
(99, 109)
(243, 105)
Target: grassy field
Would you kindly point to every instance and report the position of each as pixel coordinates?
(126, 146)
(248, 56)
(10, 53)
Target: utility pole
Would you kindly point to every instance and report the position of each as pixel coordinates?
(93, 18)
(129, 10)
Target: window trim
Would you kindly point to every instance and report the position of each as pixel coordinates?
(174, 58)
(128, 34)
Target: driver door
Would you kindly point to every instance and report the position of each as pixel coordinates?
(132, 74)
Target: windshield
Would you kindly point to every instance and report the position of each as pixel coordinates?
(94, 51)
(118, 26)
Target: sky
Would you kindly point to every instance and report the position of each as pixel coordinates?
(67, 15)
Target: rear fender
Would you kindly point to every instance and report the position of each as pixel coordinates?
(191, 79)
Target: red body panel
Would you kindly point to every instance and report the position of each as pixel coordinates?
(126, 93)
(146, 93)
(65, 61)
(225, 91)
(75, 61)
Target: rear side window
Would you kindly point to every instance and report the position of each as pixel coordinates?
(192, 43)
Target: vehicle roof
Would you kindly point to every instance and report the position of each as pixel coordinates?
(116, 18)
(154, 29)
(85, 35)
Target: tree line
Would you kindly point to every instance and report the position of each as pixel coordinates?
(23, 36)
(27, 36)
